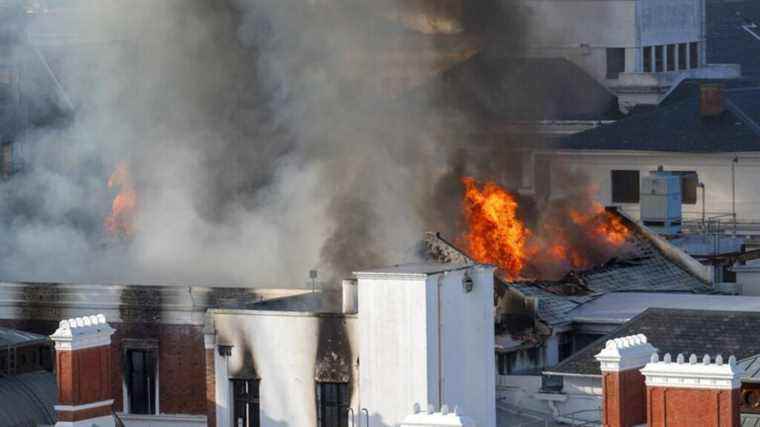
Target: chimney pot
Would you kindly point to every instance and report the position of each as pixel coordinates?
(711, 99)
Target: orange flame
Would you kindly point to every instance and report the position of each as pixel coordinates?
(495, 234)
(124, 206)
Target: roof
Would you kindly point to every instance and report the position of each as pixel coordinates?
(495, 89)
(424, 268)
(28, 399)
(678, 331)
(16, 338)
(679, 127)
(620, 307)
(727, 41)
(643, 267)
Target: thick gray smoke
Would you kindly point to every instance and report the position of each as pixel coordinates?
(265, 138)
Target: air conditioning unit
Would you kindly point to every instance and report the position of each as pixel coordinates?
(660, 202)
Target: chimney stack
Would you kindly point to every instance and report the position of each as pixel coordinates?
(693, 392)
(83, 372)
(623, 390)
(711, 99)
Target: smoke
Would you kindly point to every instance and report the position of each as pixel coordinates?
(265, 137)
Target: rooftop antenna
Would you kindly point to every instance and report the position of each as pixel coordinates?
(313, 276)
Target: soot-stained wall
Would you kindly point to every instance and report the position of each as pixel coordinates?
(288, 353)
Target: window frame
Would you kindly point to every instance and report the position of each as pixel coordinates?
(145, 346)
(253, 421)
(342, 403)
(646, 60)
(622, 198)
(615, 64)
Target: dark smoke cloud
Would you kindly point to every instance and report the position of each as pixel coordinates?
(265, 137)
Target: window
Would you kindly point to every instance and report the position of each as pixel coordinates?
(615, 62)
(7, 161)
(693, 55)
(671, 57)
(565, 345)
(625, 186)
(332, 404)
(682, 56)
(505, 362)
(140, 380)
(647, 59)
(659, 60)
(246, 403)
(689, 182)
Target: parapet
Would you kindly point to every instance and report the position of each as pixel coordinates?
(704, 373)
(625, 353)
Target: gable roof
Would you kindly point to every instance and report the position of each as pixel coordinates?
(678, 331)
(496, 89)
(679, 127)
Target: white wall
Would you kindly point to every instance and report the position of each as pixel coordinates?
(671, 21)
(283, 347)
(713, 169)
(400, 337)
(133, 420)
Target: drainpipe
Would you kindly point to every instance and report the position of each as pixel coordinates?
(440, 345)
(733, 191)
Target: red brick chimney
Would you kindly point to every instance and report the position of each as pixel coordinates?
(693, 392)
(711, 99)
(623, 389)
(83, 372)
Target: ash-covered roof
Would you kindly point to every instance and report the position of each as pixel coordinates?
(641, 267)
(678, 331)
(679, 127)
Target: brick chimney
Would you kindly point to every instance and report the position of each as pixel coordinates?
(83, 372)
(711, 99)
(623, 389)
(694, 392)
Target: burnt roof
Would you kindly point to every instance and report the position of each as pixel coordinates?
(679, 127)
(494, 89)
(678, 331)
(640, 267)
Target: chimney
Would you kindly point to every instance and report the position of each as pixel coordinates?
(350, 296)
(623, 389)
(711, 99)
(83, 372)
(694, 392)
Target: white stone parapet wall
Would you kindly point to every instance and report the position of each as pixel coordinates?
(621, 354)
(82, 332)
(694, 372)
(446, 417)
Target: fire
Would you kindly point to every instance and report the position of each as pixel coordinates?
(566, 237)
(124, 206)
(495, 235)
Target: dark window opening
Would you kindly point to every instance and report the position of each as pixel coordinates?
(565, 345)
(332, 404)
(551, 383)
(671, 57)
(659, 60)
(615, 62)
(689, 183)
(625, 186)
(505, 362)
(246, 403)
(647, 60)
(694, 55)
(7, 159)
(682, 56)
(141, 381)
